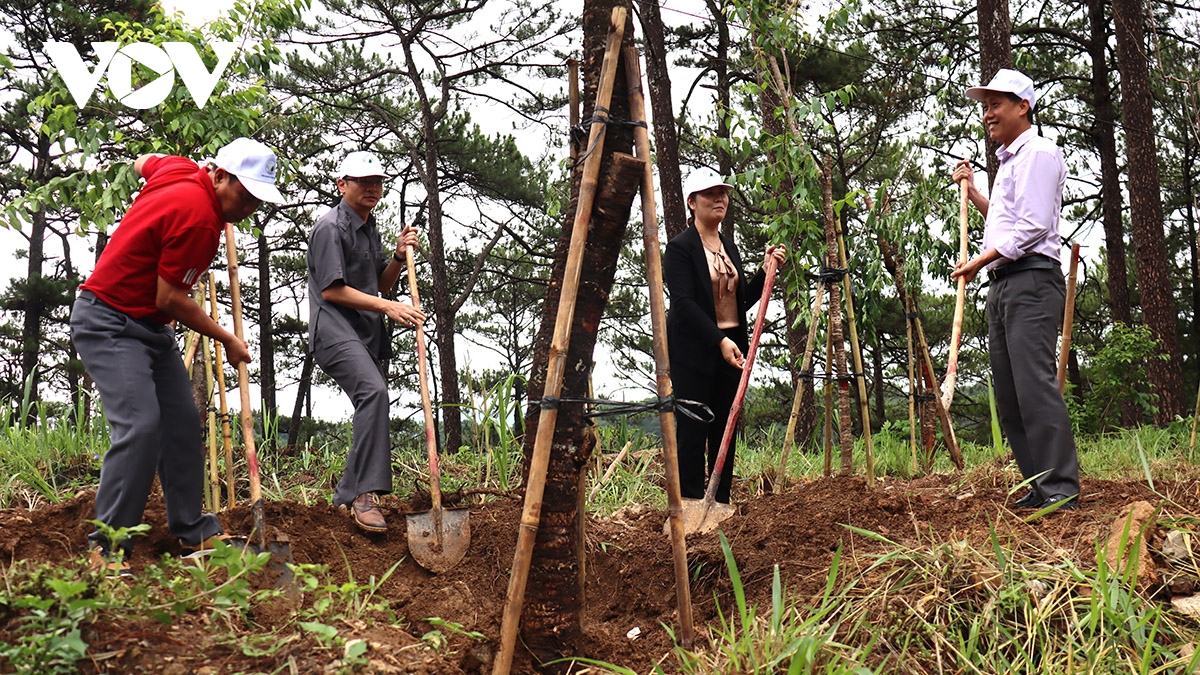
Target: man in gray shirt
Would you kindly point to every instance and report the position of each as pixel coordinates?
(347, 269)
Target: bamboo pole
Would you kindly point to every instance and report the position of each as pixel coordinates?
(559, 344)
(662, 361)
(226, 427)
(805, 367)
(829, 397)
(943, 416)
(1068, 320)
(864, 408)
(214, 475)
(912, 386)
(213, 495)
(960, 299)
(193, 341)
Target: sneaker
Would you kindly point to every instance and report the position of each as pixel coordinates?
(111, 566)
(208, 545)
(367, 514)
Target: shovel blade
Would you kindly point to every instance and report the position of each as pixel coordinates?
(279, 569)
(438, 549)
(703, 516)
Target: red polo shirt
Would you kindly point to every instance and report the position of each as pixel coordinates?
(172, 230)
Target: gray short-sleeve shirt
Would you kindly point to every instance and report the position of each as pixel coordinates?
(344, 248)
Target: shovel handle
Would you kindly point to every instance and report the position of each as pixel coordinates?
(734, 410)
(435, 488)
(235, 292)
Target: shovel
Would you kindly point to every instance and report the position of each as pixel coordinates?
(438, 539)
(279, 568)
(705, 515)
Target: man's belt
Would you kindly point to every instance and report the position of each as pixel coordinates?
(1034, 261)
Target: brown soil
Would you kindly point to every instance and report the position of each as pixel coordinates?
(630, 583)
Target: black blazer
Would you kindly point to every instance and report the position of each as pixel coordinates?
(692, 335)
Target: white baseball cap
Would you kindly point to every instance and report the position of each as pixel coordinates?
(1010, 82)
(359, 164)
(254, 165)
(700, 180)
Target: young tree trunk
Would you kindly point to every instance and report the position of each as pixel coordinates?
(1145, 209)
(666, 136)
(720, 67)
(836, 332)
(995, 52)
(551, 621)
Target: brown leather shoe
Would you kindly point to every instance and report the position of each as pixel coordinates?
(366, 513)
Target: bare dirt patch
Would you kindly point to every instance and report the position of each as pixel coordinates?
(630, 582)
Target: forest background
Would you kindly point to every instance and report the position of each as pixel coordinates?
(875, 94)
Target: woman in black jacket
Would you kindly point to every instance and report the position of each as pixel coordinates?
(706, 327)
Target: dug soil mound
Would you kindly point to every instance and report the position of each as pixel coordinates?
(630, 580)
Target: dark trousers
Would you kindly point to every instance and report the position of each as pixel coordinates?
(155, 427)
(369, 464)
(699, 442)
(1024, 310)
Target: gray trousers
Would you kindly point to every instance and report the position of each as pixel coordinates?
(369, 464)
(155, 427)
(1024, 310)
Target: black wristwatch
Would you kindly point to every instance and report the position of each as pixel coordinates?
(396, 257)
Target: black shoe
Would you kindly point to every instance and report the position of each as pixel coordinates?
(1031, 500)
(1061, 503)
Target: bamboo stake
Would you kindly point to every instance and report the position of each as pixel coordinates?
(805, 367)
(951, 380)
(1068, 320)
(829, 399)
(189, 354)
(559, 344)
(662, 361)
(226, 427)
(864, 408)
(912, 387)
(214, 475)
(612, 468)
(943, 416)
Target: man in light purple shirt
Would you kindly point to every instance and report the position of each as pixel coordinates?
(1021, 255)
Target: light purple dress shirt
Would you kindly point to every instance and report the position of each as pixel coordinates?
(1026, 199)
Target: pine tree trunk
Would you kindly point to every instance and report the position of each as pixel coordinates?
(995, 52)
(1145, 209)
(303, 391)
(666, 136)
(1104, 136)
(551, 621)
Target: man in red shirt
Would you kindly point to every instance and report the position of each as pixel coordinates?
(121, 326)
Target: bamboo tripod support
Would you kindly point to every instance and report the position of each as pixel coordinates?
(806, 365)
(912, 386)
(559, 345)
(860, 378)
(226, 428)
(658, 317)
(922, 350)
